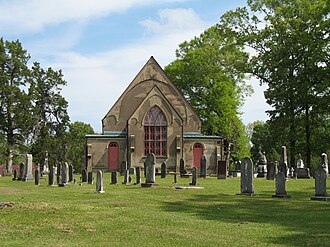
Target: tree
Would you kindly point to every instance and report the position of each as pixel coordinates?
(49, 114)
(14, 101)
(207, 71)
(76, 141)
(291, 44)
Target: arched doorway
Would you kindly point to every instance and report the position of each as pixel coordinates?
(113, 156)
(198, 153)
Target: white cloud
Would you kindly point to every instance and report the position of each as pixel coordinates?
(19, 16)
(96, 81)
(174, 20)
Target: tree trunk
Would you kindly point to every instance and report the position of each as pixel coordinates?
(308, 137)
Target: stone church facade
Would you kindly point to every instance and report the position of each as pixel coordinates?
(152, 116)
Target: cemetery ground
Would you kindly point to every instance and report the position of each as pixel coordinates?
(128, 215)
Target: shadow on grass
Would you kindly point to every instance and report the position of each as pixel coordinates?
(304, 222)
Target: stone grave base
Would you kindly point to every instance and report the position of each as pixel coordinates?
(320, 198)
(188, 187)
(64, 185)
(246, 194)
(185, 175)
(281, 196)
(147, 185)
(99, 191)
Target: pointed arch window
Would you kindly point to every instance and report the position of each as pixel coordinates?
(155, 132)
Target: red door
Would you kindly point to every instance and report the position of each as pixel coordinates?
(198, 153)
(113, 161)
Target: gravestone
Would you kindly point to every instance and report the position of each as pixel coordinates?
(15, 175)
(238, 166)
(114, 177)
(37, 177)
(163, 170)
(261, 164)
(144, 169)
(320, 185)
(126, 177)
(123, 168)
(222, 169)
(194, 177)
(70, 173)
(203, 167)
(28, 168)
(280, 186)
(175, 178)
(138, 175)
(90, 177)
(65, 174)
(59, 173)
(300, 162)
(83, 175)
(247, 177)
(182, 170)
(283, 166)
(271, 171)
(324, 163)
(99, 182)
(21, 172)
(132, 170)
(150, 171)
(51, 176)
(303, 173)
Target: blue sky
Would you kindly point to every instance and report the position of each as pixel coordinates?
(101, 45)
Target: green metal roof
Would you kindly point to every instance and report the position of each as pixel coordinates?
(199, 135)
(108, 134)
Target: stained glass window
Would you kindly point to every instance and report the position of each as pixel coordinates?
(155, 132)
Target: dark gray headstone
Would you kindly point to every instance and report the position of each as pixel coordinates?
(90, 177)
(28, 168)
(303, 173)
(114, 177)
(320, 185)
(182, 170)
(126, 176)
(150, 171)
(36, 177)
(203, 167)
(320, 182)
(138, 175)
(238, 165)
(247, 177)
(222, 169)
(194, 177)
(51, 176)
(144, 169)
(65, 173)
(21, 172)
(83, 175)
(271, 171)
(70, 173)
(280, 186)
(123, 167)
(163, 170)
(99, 182)
(15, 175)
(132, 170)
(175, 178)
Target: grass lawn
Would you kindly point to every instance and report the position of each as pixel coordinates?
(128, 215)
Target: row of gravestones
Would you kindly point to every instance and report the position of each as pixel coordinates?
(149, 175)
(247, 182)
(64, 173)
(202, 171)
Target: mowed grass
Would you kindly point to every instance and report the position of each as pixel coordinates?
(128, 215)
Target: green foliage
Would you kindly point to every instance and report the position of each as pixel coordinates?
(14, 101)
(49, 114)
(208, 73)
(76, 143)
(290, 40)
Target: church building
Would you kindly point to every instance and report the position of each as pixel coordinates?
(152, 116)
